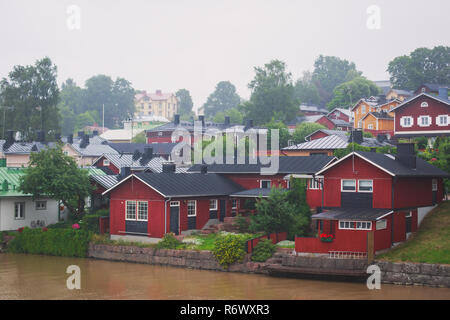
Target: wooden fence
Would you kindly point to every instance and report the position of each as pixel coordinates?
(275, 237)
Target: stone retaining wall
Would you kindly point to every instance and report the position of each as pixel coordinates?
(323, 263)
(177, 258)
(436, 275)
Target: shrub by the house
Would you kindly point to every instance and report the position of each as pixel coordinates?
(229, 249)
(263, 250)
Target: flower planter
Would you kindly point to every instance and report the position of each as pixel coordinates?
(326, 237)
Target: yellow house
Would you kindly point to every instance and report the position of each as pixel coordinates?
(398, 94)
(361, 109)
(156, 104)
(378, 121)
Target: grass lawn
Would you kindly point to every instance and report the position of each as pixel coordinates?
(431, 244)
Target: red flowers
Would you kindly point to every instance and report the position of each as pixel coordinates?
(44, 229)
(75, 226)
(20, 229)
(326, 237)
(433, 159)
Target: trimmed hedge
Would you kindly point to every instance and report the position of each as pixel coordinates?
(55, 242)
(90, 222)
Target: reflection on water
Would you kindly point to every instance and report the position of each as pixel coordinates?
(44, 277)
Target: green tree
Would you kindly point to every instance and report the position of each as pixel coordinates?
(274, 214)
(139, 138)
(297, 197)
(53, 174)
(329, 72)
(33, 93)
(283, 133)
(223, 98)
(304, 129)
(423, 65)
(306, 91)
(185, 102)
(272, 94)
(348, 93)
(235, 116)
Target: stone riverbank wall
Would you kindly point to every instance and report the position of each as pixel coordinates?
(396, 273)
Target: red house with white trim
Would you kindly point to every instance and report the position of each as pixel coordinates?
(423, 115)
(372, 192)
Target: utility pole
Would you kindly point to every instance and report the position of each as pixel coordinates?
(103, 119)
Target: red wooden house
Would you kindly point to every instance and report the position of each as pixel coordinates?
(423, 115)
(372, 192)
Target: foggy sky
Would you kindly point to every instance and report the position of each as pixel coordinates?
(194, 44)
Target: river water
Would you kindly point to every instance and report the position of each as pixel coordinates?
(44, 277)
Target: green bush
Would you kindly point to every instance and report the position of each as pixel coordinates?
(169, 242)
(59, 225)
(102, 212)
(229, 249)
(263, 250)
(243, 223)
(55, 242)
(90, 222)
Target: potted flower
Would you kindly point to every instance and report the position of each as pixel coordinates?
(326, 237)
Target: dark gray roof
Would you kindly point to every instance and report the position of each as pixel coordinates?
(340, 122)
(28, 147)
(93, 150)
(254, 193)
(381, 115)
(106, 181)
(391, 164)
(435, 87)
(190, 184)
(158, 148)
(333, 142)
(287, 165)
(352, 214)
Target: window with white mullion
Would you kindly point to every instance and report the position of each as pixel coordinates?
(443, 120)
(130, 210)
(424, 121)
(355, 225)
(192, 208)
(406, 121)
(142, 211)
(348, 185)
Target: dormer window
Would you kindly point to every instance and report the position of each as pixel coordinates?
(424, 104)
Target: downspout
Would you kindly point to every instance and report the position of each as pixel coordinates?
(165, 215)
(394, 180)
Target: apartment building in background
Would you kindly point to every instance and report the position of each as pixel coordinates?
(156, 104)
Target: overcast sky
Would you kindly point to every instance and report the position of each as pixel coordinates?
(194, 44)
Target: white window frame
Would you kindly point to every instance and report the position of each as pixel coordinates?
(214, 202)
(342, 185)
(137, 210)
(234, 203)
(174, 203)
(408, 214)
(403, 124)
(419, 121)
(195, 208)
(106, 162)
(261, 183)
(434, 185)
(424, 104)
(359, 189)
(315, 184)
(21, 211)
(38, 205)
(355, 225)
(446, 117)
(381, 224)
(370, 126)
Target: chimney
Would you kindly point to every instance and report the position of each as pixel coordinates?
(202, 119)
(203, 168)
(70, 139)
(148, 152)
(136, 155)
(57, 137)
(249, 123)
(176, 119)
(41, 136)
(84, 141)
(406, 155)
(10, 136)
(158, 92)
(227, 120)
(168, 168)
(125, 172)
(94, 133)
(80, 134)
(356, 136)
(443, 93)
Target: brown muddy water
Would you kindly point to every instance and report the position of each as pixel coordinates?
(44, 277)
